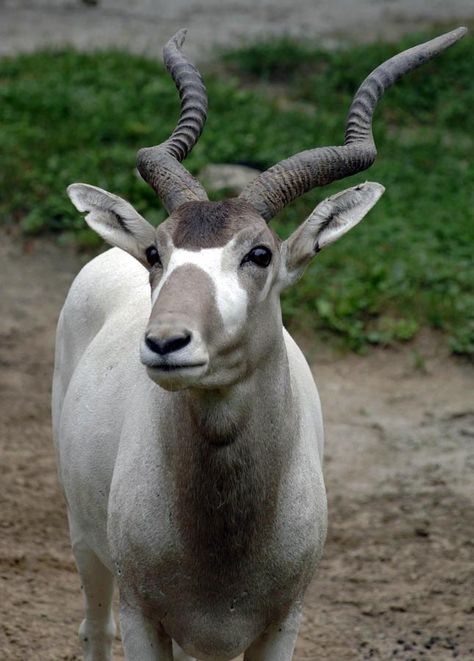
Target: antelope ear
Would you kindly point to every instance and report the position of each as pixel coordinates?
(114, 219)
(331, 219)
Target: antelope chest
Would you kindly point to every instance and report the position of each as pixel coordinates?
(215, 575)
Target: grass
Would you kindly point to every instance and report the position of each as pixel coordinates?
(71, 117)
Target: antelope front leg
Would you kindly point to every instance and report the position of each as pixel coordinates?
(278, 640)
(97, 630)
(143, 640)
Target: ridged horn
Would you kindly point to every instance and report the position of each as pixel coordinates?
(160, 166)
(287, 180)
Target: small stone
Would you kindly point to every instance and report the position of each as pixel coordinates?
(421, 532)
(226, 176)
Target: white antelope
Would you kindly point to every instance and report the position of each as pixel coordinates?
(187, 423)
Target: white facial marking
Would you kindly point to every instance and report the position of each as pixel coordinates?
(231, 298)
(266, 289)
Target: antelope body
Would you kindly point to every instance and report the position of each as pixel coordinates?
(187, 423)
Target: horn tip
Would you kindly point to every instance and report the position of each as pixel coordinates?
(179, 37)
(456, 34)
(460, 32)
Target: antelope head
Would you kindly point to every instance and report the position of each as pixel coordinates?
(216, 269)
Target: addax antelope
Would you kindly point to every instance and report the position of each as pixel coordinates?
(186, 420)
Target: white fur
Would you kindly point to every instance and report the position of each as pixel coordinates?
(231, 298)
(105, 416)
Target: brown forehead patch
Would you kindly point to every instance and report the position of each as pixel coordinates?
(197, 225)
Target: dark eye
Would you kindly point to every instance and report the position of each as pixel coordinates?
(153, 256)
(260, 256)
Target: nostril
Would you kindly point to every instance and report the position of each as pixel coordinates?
(168, 345)
(176, 342)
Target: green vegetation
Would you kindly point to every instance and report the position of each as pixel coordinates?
(69, 117)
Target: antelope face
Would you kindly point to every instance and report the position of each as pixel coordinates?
(216, 271)
(213, 267)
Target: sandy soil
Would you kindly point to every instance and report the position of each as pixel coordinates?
(143, 26)
(397, 577)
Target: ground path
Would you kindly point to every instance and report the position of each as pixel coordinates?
(144, 25)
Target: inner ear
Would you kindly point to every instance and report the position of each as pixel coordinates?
(114, 219)
(331, 219)
(338, 214)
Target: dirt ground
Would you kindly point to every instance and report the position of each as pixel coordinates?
(143, 26)
(397, 576)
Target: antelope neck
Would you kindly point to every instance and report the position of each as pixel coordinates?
(251, 408)
(227, 454)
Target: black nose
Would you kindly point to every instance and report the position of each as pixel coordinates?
(169, 344)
